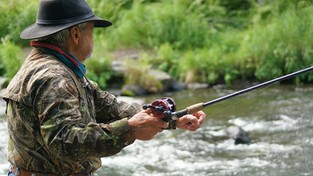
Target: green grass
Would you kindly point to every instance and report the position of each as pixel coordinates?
(210, 41)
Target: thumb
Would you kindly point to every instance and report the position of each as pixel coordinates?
(149, 110)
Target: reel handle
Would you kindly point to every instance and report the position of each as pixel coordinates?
(161, 108)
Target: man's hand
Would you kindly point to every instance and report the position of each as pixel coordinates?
(145, 126)
(191, 122)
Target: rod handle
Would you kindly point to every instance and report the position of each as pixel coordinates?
(189, 110)
(194, 108)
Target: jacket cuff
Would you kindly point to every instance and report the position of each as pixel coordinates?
(121, 130)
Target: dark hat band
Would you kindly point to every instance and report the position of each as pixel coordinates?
(64, 21)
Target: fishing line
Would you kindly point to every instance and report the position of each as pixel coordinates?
(239, 100)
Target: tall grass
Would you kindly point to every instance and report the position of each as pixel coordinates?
(211, 41)
(282, 45)
(155, 24)
(16, 15)
(11, 58)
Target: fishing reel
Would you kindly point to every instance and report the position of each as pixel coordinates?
(162, 108)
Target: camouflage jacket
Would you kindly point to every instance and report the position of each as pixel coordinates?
(58, 124)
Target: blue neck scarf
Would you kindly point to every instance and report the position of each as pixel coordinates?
(66, 58)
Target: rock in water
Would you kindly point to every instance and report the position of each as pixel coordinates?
(238, 134)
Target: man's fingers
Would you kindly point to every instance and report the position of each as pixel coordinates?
(148, 111)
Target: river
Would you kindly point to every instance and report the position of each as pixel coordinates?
(279, 120)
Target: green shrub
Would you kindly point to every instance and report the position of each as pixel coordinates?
(167, 59)
(212, 41)
(137, 73)
(99, 66)
(18, 15)
(11, 58)
(155, 24)
(281, 46)
(99, 70)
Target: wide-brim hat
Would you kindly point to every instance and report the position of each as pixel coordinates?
(56, 15)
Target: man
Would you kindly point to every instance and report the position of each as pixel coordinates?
(60, 122)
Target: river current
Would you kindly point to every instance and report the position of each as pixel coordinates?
(279, 120)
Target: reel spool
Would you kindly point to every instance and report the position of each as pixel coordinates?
(161, 106)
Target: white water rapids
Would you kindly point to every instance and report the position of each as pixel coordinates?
(279, 120)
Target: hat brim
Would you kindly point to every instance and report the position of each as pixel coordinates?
(35, 31)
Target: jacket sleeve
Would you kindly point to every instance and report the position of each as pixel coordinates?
(66, 131)
(108, 107)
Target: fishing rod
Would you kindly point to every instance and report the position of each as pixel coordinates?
(165, 108)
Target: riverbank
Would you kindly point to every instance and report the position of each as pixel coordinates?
(261, 45)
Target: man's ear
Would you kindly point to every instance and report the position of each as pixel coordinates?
(75, 34)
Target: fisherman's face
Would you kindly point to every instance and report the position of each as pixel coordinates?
(86, 43)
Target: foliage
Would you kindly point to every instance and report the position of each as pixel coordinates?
(167, 59)
(11, 58)
(211, 41)
(99, 66)
(18, 15)
(282, 45)
(155, 24)
(137, 73)
(99, 70)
